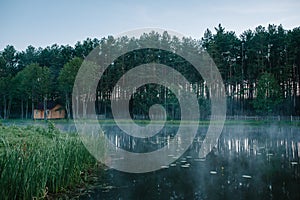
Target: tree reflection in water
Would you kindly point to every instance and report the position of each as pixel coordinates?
(249, 162)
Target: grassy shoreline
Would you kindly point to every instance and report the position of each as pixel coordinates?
(42, 163)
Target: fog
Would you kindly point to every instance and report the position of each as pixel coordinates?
(250, 161)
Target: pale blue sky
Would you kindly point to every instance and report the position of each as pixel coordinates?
(42, 23)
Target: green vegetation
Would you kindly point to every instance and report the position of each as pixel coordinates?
(241, 60)
(268, 94)
(36, 162)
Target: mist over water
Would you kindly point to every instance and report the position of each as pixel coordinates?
(249, 162)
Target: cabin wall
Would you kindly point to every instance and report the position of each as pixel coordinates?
(38, 114)
(54, 113)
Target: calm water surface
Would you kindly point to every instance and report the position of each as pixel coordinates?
(250, 162)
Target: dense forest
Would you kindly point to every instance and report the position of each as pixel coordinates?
(260, 69)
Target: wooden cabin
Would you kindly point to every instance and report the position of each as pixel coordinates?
(54, 111)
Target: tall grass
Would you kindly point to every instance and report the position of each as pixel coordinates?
(36, 161)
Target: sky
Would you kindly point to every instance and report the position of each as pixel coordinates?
(42, 23)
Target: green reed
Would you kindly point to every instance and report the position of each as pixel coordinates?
(36, 161)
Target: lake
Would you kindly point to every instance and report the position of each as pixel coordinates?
(249, 162)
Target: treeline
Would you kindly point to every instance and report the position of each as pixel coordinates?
(260, 70)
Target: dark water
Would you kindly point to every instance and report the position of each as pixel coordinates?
(250, 162)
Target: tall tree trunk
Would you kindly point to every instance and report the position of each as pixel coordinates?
(105, 111)
(84, 108)
(68, 106)
(9, 106)
(294, 82)
(22, 109)
(98, 103)
(32, 109)
(4, 107)
(77, 106)
(26, 111)
(45, 108)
